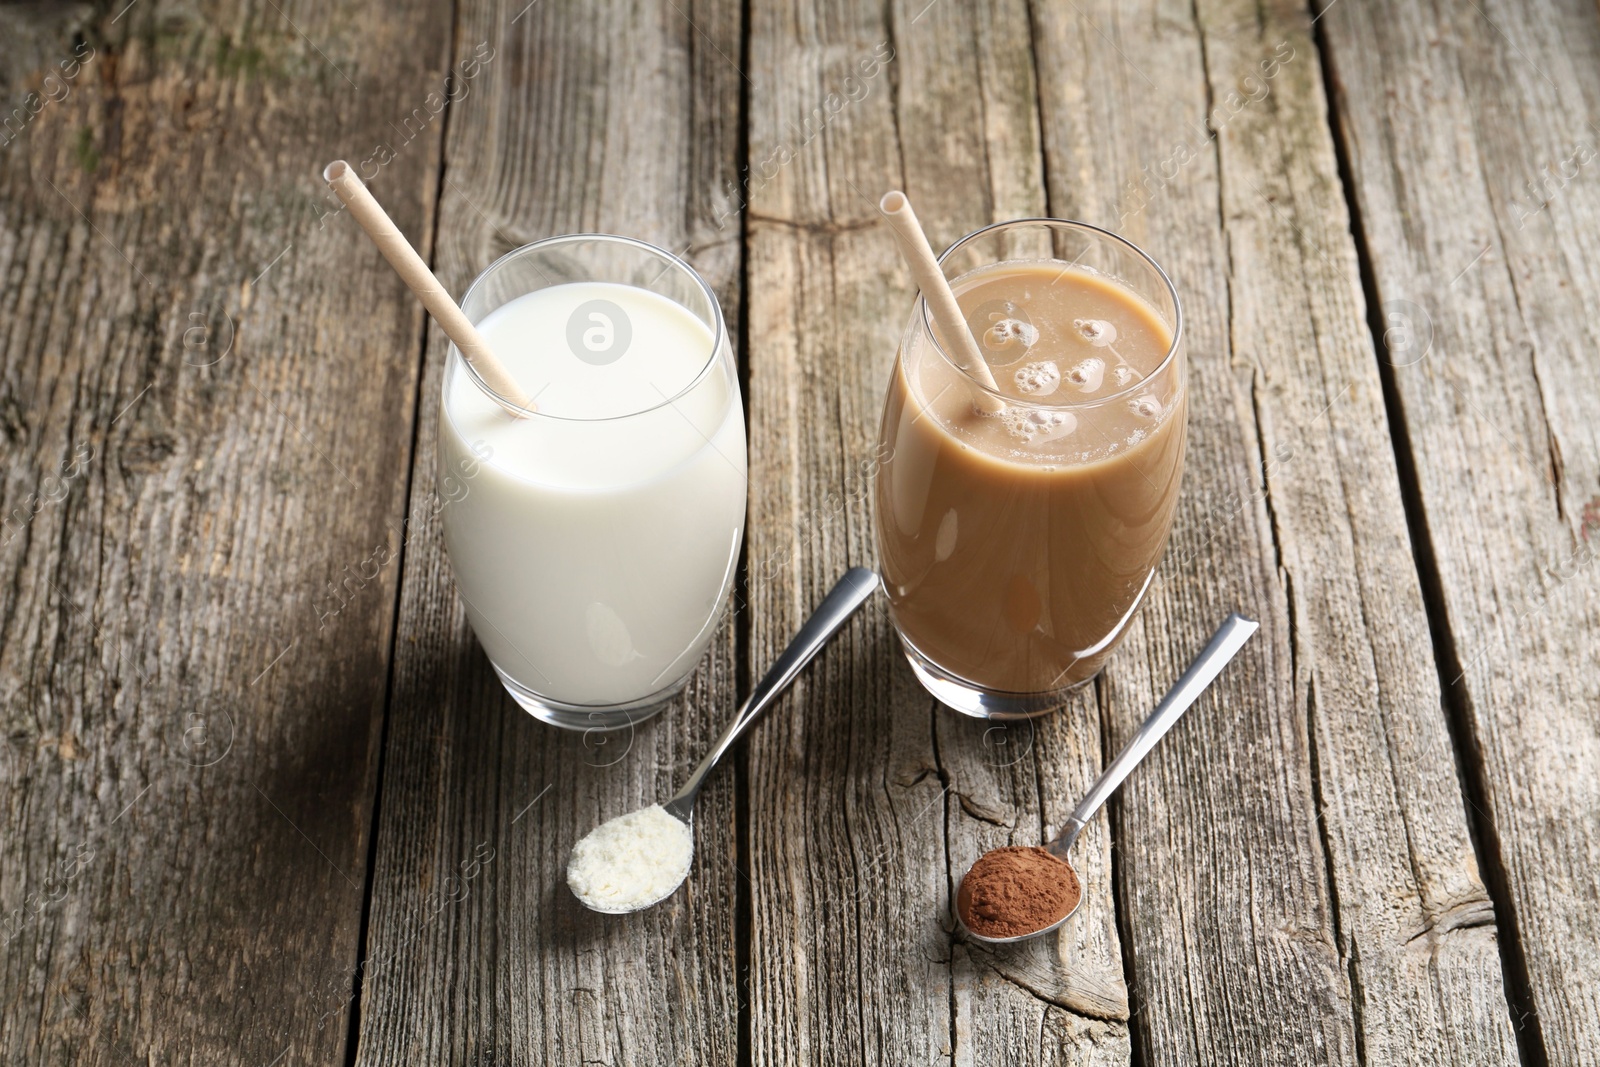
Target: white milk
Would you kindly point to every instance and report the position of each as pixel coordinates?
(595, 542)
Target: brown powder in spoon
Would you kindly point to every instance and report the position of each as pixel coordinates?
(1015, 891)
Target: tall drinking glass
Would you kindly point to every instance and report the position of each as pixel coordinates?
(594, 541)
(1017, 544)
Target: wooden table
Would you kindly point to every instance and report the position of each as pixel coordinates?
(265, 803)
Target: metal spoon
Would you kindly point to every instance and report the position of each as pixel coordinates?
(1229, 638)
(842, 601)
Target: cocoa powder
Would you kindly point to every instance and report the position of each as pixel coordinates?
(1017, 890)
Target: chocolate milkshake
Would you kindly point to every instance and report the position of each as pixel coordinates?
(1016, 544)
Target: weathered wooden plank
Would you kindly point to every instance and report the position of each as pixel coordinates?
(863, 811)
(1295, 864)
(205, 458)
(1012, 784)
(590, 117)
(1470, 130)
(1055, 1000)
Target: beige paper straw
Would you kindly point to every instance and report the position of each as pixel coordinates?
(415, 273)
(935, 288)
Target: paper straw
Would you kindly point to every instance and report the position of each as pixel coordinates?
(935, 288)
(415, 273)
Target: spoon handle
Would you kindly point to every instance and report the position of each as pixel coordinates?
(1229, 638)
(847, 595)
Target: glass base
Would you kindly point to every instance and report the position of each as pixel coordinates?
(586, 717)
(958, 694)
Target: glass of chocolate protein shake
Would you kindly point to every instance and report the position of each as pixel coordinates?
(1020, 519)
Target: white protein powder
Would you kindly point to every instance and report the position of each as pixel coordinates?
(631, 861)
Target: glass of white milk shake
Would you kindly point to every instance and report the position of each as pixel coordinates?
(594, 540)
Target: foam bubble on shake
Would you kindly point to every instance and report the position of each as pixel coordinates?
(1026, 332)
(1038, 378)
(1126, 374)
(1037, 427)
(1097, 332)
(1145, 406)
(1009, 337)
(1088, 375)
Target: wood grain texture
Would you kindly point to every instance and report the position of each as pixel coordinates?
(218, 410)
(204, 453)
(1473, 166)
(595, 117)
(1296, 869)
(867, 804)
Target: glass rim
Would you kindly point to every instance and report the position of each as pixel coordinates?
(922, 312)
(718, 326)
